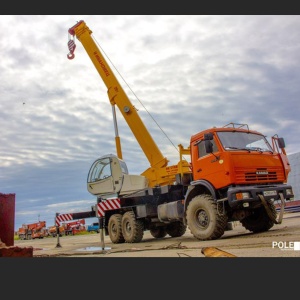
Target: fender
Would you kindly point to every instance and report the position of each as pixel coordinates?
(198, 187)
(195, 188)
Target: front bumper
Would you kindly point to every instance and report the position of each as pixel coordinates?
(251, 194)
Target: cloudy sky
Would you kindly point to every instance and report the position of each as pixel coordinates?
(184, 73)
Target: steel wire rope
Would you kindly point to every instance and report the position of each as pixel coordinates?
(153, 119)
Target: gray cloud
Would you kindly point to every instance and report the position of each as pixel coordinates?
(189, 72)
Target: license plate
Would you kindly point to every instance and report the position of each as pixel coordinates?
(270, 193)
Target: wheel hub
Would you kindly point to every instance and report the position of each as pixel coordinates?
(128, 227)
(203, 218)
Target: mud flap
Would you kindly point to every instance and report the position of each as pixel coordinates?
(264, 202)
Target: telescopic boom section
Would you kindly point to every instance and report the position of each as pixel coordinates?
(158, 173)
(117, 96)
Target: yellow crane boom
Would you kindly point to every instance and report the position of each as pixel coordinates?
(159, 173)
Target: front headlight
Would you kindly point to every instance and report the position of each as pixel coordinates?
(242, 196)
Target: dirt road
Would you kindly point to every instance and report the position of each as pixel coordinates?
(279, 241)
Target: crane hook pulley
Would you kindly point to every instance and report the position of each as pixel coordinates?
(71, 46)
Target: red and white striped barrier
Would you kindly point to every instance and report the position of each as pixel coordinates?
(290, 206)
(63, 218)
(103, 206)
(107, 205)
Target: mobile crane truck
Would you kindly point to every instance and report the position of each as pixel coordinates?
(35, 230)
(235, 174)
(71, 228)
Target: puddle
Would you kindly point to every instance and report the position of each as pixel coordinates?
(93, 249)
(38, 249)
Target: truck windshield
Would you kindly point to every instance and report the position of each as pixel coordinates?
(235, 140)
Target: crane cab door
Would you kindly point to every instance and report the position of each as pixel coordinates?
(106, 175)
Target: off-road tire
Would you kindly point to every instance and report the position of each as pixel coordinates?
(158, 232)
(115, 229)
(205, 219)
(132, 229)
(259, 220)
(176, 229)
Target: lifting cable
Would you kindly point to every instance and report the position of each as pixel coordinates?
(136, 96)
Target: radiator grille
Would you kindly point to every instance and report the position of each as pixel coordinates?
(253, 176)
(258, 175)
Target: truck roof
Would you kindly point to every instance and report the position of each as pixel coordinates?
(200, 134)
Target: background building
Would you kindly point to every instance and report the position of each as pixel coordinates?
(294, 176)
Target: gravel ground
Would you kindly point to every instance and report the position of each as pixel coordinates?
(279, 241)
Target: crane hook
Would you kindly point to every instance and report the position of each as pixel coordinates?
(70, 55)
(72, 46)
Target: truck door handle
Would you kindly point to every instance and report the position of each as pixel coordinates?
(199, 170)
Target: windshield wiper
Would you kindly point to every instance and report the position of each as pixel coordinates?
(236, 148)
(250, 149)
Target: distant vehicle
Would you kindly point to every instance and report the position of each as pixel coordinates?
(36, 230)
(93, 227)
(53, 230)
(74, 227)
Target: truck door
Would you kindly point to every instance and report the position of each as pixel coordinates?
(206, 166)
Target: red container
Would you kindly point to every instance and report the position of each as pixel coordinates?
(7, 218)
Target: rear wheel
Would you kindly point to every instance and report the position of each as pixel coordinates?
(259, 220)
(158, 232)
(176, 229)
(115, 229)
(204, 220)
(132, 229)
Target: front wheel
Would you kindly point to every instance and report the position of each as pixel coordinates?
(204, 220)
(259, 220)
(132, 229)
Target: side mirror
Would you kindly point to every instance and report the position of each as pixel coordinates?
(208, 137)
(281, 143)
(208, 146)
